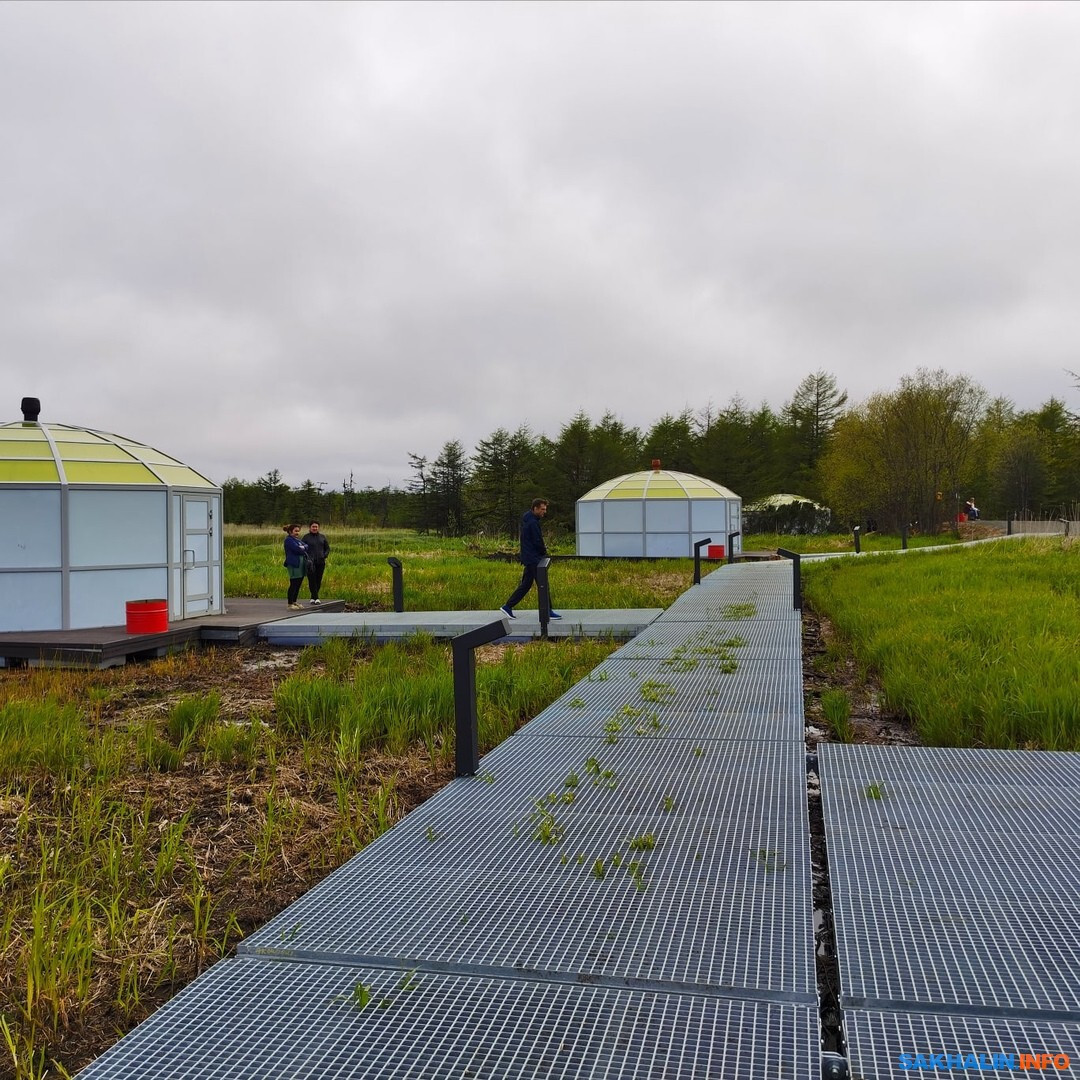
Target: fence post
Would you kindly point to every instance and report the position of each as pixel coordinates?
(796, 574)
(857, 530)
(731, 546)
(698, 545)
(1008, 524)
(399, 588)
(903, 538)
(467, 740)
(543, 595)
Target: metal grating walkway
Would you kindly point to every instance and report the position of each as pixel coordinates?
(623, 890)
(956, 899)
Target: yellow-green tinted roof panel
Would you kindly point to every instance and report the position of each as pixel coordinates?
(62, 433)
(24, 449)
(108, 472)
(181, 476)
(658, 484)
(29, 472)
(76, 451)
(85, 456)
(22, 431)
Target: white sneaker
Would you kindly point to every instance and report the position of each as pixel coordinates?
(316, 601)
(295, 607)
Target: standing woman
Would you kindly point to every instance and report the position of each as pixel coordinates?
(295, 559)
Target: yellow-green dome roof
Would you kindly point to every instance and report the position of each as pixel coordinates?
(658, 484)
(36, 453)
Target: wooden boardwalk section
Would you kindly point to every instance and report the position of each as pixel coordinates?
(110, 646)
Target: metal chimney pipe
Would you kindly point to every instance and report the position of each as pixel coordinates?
(31, 408)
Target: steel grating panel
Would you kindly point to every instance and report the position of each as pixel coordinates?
(720, 607)
(247, 1019)
(699, 692)
(961, 911)
(696, 674)
(948, 950)
(524, 769)
(726, 895)
(877, 1041)
(748, 932)
(758, 640)
(710, 723)
(964, 808)
(709, 807)
(915, 765)
(1007, 866)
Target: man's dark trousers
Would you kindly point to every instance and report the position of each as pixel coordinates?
(528, 576)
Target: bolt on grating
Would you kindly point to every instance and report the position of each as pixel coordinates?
(724, 893)
(751, 640)
(915, 765)
(247, 1018)
(949, 916)
(986, 809)
(889, 1044)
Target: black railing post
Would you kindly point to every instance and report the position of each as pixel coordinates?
(467, 740)
(796, 574)
(731, 546)
(698, 545)
(399, 588)
(543, 595)
(858, 547)
(903, 538)
(1008, 524)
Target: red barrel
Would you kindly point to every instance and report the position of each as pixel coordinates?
(147, 616)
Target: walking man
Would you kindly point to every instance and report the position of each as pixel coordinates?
(318, 547)
(532, 551)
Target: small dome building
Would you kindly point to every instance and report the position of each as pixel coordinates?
(93, 520)
(659, 514)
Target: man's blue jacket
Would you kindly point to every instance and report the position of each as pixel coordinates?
(532, 540)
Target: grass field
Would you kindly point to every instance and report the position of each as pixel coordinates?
(469, 574)
(978, 646)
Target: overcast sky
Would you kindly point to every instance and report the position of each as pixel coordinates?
(318, 236)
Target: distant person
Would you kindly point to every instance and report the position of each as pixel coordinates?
(295, 558)
(971, 510)
(318, 547)
(533, 550)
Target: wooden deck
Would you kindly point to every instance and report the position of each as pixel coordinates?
(111, 646)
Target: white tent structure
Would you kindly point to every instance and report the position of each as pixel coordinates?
(658, 513)
(93, 520)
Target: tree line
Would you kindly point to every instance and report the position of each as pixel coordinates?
(910, 456)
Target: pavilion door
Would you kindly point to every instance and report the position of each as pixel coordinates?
(198, 547)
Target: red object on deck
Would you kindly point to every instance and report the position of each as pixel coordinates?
(147, 616)
(715, 551)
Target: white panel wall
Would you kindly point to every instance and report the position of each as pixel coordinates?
(624, 544)
(667, 515)
(590, 544)
(623, 515)
(668, 545)
(29, 528)
(116, 528)
(99, 597)
(31, 601)
(588, 517)
(710, 516)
